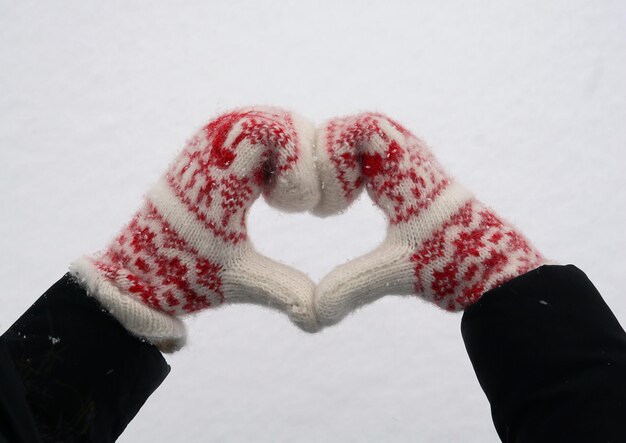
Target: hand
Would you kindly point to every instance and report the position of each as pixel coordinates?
(187, 248)
(441, 244)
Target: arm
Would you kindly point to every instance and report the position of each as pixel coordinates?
(551, 358)
(72, 371)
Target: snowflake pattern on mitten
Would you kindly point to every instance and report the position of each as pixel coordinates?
(187, 248)
(442, 243)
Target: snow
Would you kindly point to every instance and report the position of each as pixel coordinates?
(523, 101)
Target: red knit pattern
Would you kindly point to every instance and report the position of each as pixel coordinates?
(210, 151)
(152, 261)
(471, 252)
(402, 179)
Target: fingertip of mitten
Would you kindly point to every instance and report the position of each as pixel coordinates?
(338, 169)
(295, 185)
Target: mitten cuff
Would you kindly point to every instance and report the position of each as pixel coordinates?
(166, 332)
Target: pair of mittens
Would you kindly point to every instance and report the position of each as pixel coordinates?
(187, 249)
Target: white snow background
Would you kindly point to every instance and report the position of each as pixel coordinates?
(524, 102)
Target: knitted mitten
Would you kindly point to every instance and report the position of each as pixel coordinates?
(442, 243)
(187, 248)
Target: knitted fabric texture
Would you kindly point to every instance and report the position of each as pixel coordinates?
(187, 248)
(441, 244)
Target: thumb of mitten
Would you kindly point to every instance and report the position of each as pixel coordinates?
(257, 279)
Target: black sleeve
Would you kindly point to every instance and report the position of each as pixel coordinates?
(69, 372)
(551, 358)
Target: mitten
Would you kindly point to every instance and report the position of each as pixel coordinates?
(442, 243)
(187, 248)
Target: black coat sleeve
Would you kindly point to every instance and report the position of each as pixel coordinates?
(551, 358)
(69, 372)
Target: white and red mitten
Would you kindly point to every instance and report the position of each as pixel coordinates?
(187, 248)
(442, 243)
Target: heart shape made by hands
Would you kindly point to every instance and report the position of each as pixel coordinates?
(187, 248)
